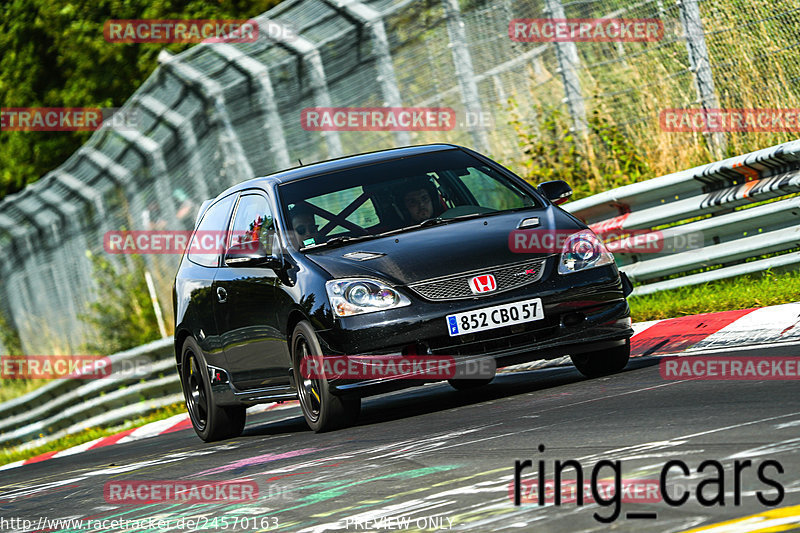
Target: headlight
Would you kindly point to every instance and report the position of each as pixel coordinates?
(583, 250)
(356, 296)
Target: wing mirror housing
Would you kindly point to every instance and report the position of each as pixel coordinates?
(251, 254)
(557, 191)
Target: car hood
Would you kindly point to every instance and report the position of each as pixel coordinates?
(435, 251)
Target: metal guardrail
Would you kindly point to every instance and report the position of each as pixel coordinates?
(730, 233)
(142, 379)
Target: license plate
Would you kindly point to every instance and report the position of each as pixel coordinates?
(495, 317)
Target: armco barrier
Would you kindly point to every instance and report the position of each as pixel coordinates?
(732, 234)
(67, 406)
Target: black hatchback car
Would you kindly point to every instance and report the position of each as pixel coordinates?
(404, 252)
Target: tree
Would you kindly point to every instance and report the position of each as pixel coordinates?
(54, 55)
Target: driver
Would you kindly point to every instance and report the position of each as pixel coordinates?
(418, 204)
(303, 225)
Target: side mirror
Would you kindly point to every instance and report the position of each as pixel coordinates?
(556, 191)
(250, 254)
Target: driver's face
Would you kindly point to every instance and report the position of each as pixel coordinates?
(419, 205)
(304, 227)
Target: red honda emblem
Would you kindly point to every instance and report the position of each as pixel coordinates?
(485, 283)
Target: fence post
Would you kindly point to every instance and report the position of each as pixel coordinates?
(701, 67)
(568, 66)
(465, 73)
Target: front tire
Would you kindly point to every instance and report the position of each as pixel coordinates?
(603, 362)
(211, 422)
(322, 410)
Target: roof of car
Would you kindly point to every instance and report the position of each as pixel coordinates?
(341, 163)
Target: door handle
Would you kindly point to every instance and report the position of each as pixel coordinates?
(222, 295)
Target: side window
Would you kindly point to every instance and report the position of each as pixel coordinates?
(253, 222)
(206, 246)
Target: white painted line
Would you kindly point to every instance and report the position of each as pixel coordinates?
(79, 448)
(639, 327)
(762, 326)
(154, 428)
(12, 465)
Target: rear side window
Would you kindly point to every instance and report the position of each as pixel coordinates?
(208, 240)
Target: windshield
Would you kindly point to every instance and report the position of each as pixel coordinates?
(405, 193)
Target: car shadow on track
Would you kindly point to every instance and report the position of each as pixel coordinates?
(436, 397)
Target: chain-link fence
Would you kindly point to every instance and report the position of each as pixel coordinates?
(222, 113)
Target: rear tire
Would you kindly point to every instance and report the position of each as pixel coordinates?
(603, 362)
(211, 422)
(322, 410)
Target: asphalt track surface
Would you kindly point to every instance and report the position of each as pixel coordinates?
(432, 459)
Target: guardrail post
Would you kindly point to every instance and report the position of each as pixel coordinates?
(701, 67)
(568, 66)
(465, 73)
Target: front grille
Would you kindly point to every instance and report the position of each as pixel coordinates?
(488, 342)
(457, 286)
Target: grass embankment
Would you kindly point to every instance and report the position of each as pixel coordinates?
(13, 388)
(743, 292)
(10, 455)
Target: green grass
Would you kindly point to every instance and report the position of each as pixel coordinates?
(13, 388)
(742, 292)
(10, 455)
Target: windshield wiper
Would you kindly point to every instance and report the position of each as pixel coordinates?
(338, 239)
(437, 220)
(431, 222)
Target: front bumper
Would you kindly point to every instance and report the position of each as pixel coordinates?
(584, 311)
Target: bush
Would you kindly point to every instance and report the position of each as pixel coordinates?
(604, 159)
